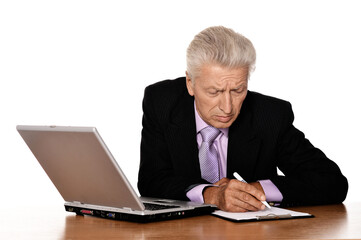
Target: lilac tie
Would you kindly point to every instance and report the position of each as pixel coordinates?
(208, 156)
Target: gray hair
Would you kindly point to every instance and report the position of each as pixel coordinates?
(222, 46)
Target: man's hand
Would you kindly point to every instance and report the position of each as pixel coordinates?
(235, 196)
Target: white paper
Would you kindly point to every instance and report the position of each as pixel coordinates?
(273, 213)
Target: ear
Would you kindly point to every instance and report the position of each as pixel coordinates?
(189, 85)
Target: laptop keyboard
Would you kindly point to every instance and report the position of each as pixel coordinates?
(153, 207)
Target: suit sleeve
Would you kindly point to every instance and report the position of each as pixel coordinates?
(310, 177)
(157, 176)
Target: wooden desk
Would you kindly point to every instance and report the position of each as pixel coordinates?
(330, 222)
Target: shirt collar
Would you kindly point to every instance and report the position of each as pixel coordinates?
(200, 123)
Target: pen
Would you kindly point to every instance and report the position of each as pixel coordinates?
(239, 178)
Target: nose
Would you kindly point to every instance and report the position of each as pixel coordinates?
(225, 103)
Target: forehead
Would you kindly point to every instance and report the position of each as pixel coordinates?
(218, 76)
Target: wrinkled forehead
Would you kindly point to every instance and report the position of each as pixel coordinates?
(221, 77)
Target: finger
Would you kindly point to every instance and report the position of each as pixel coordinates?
(233, 204)
(241, 208)
(244, 193)
(248, 202)
(248, 188)
(221, 182)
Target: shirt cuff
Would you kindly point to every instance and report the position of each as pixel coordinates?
(271, 191)
(196, 193)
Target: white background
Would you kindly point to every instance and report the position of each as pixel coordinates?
(86, 63)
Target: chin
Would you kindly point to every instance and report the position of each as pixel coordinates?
(222, 125)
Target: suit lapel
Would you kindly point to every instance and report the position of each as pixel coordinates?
(243, 145)
(182, 137)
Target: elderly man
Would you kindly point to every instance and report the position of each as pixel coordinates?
(200, 129)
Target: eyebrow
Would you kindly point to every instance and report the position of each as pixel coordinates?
(240, 86)
(232, 89)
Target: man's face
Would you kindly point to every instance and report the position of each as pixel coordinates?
(219, 93)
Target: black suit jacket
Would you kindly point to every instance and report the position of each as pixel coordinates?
(261, 139)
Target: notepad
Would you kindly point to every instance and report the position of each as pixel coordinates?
(274, 213)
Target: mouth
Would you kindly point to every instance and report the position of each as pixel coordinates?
(224, 119)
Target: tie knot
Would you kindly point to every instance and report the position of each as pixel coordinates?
(209, 134)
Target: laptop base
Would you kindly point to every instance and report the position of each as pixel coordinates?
(140, 218)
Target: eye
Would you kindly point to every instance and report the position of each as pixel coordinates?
(212, 92)
(239, 91)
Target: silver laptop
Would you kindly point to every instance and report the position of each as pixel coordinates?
(89, 179)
